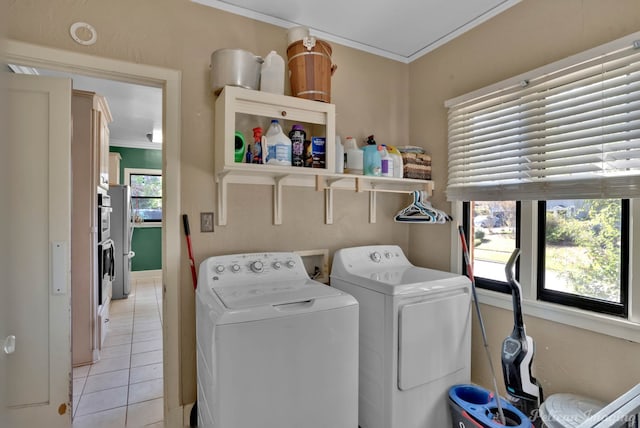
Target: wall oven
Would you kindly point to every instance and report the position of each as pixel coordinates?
(106, 270)
(104, 217)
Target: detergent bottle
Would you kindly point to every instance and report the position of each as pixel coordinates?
(257, 155)
(276, 145)
(372, 160)
(354, 157)
(386, 162)
(339, 155)
(397, 161)
(272, 74)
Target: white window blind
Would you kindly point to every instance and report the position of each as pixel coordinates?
(567, 130)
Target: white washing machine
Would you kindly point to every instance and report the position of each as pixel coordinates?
(274, 348)
(415, 338)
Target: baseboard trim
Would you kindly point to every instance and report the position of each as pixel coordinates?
(145, 274)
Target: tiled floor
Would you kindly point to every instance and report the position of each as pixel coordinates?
(124, 388)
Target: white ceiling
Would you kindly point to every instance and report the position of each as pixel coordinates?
(402, 30)
(136, 109)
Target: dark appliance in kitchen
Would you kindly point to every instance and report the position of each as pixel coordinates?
(104, 217)
(106, 253)
(121, 233)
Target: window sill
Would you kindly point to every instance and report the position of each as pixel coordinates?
(147, 225)
(599, 323)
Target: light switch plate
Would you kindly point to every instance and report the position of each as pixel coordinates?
(206, 222)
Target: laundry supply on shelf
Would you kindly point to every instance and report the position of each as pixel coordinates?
(340, 156)
(318, 151)
(276, 145)
(386, 162)
(272, 74)
(372, 160)
(257, 146)
(416, 162)
(354, 157)
(297, 136)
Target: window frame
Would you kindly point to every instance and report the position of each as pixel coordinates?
(582, 302)
(487, 283)
(624, 328)
(128, 172)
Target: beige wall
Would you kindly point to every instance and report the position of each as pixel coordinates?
(529, 35)
(398, 103)
(371, 96)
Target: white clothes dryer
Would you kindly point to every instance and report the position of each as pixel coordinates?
(274, 348)
(415, 341)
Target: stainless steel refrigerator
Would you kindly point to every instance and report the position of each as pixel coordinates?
(121, 234)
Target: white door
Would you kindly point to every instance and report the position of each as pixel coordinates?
(37, 225)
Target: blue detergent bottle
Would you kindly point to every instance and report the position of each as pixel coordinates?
(372, 162)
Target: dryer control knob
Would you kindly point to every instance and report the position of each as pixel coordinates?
(375, 256)
(277, 265)
(219, 268)
(257, 266)
(290, 264)
(235, 268)
(388, 255)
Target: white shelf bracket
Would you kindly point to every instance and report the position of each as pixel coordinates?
(222, 198)
(277, 200)
(372, 207)
(328, 206)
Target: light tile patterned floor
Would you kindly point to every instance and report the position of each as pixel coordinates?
(125, 388)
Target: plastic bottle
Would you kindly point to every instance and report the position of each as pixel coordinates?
(318, 152)
(372, 160)
(397, 161)
(249, 154)
(386, 162)
(257, 146)
(354, 157)
(340, 156)
(272, 74)
(297, 136)
(307, 154)
(278, 145)
(240, 147)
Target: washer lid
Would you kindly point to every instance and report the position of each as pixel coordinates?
(272, 294)
(401, 280)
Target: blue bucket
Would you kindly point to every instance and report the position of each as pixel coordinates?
(473, 406)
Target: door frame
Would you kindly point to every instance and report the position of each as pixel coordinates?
(169, 80)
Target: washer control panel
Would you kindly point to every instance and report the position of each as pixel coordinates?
(380, 256)
(243, 268)
(385, 255)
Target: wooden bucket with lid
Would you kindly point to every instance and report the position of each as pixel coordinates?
(310, 69)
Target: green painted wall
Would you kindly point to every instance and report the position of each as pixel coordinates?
(147, 241)
(147, 244)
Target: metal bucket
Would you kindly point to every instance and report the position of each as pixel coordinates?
(235, 67)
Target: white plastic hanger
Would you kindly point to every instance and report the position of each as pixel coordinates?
(421, 211)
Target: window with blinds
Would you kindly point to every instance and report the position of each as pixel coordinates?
(567, 130)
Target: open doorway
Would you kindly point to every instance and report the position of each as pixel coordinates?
(117, 351)
(166, 288)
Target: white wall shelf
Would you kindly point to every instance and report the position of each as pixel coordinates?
(320, 181)
(242, 109)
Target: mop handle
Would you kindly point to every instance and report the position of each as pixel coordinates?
(192, 263)
(465, 251)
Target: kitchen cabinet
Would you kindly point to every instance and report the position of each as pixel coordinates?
(102, 118)
(239, 109)
(114, 168)
(90, 118)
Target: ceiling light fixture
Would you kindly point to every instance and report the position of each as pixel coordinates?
(155, 136)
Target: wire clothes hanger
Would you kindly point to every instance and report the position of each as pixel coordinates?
(421, 211)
